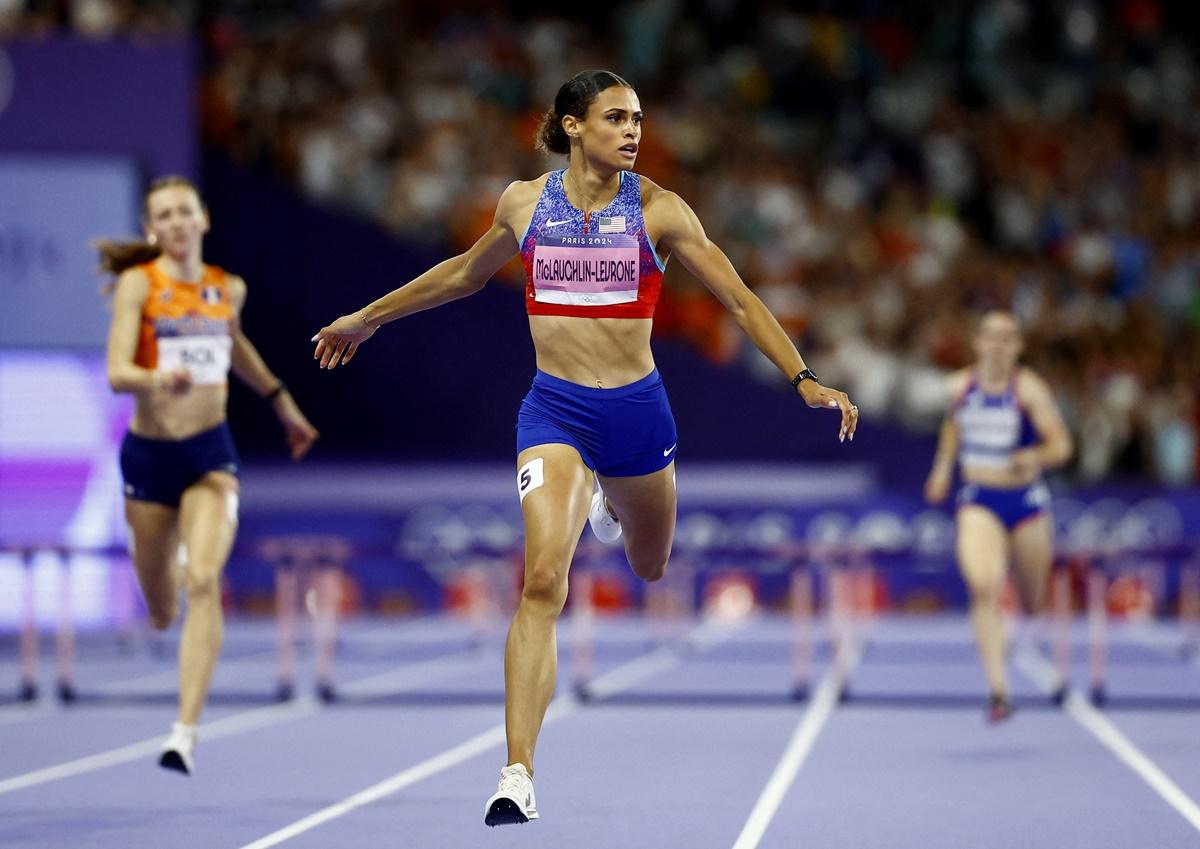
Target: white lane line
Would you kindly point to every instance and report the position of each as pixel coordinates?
(823, 703)
(1042, 673)
(478, 744)
(622, 677)
(404, 678)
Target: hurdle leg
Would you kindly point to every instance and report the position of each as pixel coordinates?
(802, 632)
(287, 584)
(839, 631)
(29, 629)
(1097, 633)
(1062, 633)
(64, 642)
(1189, 608)
(582, 633)
(325, 615)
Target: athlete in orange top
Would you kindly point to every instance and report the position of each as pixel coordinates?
(173, 339)
(595, 238)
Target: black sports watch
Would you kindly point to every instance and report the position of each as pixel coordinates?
(802, 376)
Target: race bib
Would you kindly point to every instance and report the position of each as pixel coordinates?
(590, 270)
(207, 358)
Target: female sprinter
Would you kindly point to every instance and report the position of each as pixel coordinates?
(595, 239)
(1004, 428)
(173, 339)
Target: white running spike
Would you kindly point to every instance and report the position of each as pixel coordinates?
(177, 751)
(514, 802)
(604, 524)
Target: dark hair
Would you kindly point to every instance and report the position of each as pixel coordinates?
(573, 98)
(117, 256)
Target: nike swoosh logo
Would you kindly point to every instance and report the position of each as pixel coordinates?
(667, 452)
(558, 223)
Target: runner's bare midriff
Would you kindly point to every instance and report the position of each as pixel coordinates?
(997, 478)
(159, 414)
(598, 352)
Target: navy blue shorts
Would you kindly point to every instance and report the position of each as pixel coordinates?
(1011, 506)
(159, 470)
(620, 432)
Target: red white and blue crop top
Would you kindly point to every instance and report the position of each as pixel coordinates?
(600, 265)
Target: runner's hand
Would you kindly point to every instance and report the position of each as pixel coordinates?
(177, 381)
(337, 342)
(816, 395)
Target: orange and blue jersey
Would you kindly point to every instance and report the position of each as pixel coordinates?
(599, 265)
(187, 321)
(184, 325)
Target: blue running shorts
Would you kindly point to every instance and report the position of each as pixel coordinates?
(159, 470)
(1011, 506)
(620, 432)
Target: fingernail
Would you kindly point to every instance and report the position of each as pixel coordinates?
(314, 339)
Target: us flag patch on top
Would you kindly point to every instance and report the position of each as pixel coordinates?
(613, 224)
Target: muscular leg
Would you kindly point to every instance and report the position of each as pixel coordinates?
(554, 515)
(645, 506)
(982, 546)
(155, 532)
(1033, 554)
(208, 521)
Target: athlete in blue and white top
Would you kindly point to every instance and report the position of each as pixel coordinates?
(1004, 429)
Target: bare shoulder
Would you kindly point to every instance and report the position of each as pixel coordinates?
(1032, 387)
(237, 288)
(956, 382)
(517, 202)
(132, 287)
(654, 195)
(522, 193)
(667, 215)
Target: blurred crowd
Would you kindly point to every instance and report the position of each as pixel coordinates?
(877, 177)
(96, 18)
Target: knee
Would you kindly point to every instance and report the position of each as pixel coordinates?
(649, 568)
(203, 585)
(985, 593)
(545, 586)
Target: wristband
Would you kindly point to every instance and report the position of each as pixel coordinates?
(806, 374)
(274, 393)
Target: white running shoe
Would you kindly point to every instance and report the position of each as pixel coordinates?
(605, 525)
(177, 751)
(514, 801)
